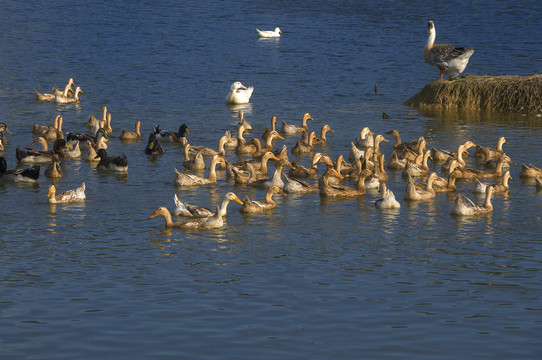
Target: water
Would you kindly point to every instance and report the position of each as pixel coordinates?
(314, 278)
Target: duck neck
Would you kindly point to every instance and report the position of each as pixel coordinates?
(487, 202)
(397, 139)
(167, 218)
(212, 170)
(223, 208)
(186, 154)
(221, 143)
(431, 39)
(269, 197)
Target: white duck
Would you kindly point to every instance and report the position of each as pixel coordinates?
(67, 196)
(450, 60)
(387, 201)
(268, 33)
(61, 99)
(239, 94)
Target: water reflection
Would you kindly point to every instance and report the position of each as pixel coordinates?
(247, 109)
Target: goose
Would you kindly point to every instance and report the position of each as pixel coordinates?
(114, 163)
(290, 129)
(366, 138)
(449, 59)
(187, 210)
(268, 33)
(239, 94)
(61, 99)
(131, 135)
(253, 206)
(464, 206)
(414, 193)
(184, 179)
(67, 196)
(481, 187)
(529, 171)
(27, 175)
(485, 154)
(387, 200)
(153, 146)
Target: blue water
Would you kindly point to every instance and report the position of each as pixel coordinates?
(313, 279)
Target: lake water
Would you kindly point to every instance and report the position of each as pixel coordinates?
(313, 279)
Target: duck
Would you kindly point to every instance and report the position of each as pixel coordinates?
(253, 147)
(275, 180)
(322, 139)
(304, 172)
(296, 186)
(91, 154)
(464, 206)
(184, 179)
(51, 96)
(107, 124)
(400, 146)
(114, 163)
(355, 152)
(538, 182)
(481, 187)
(414, 193)
(331, 189)
(196, 163)
(395, 163)
(153, 146)
(242, 121)
(27, 175)
(97, 141)
(2, 141)
(72, 149)
(172, 136)
(230, 142)
(67, 196)
(243, 177)
(259, 165)
(54, 170)
(39, 130)
(462, 150)
(366, 138)
(253, 206)
(187, 210)
(411, 155)
(379, 172)
(449, 184)
(450, 60)
(214, 221)
(268, 130)
(301, 147)
(39, 156)
(239, 94)
(268, 146)
(387, 199)
(290, 129)
(418, 168)
(61, 99)
(471, 174)
(4, 128)
(268, 33)
(529, 171)
(131, 135)
(378, 139)
(485, 154)
(93, 121)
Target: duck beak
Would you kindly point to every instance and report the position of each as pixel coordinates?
(237, 200)
(153, 214)
(8, 131)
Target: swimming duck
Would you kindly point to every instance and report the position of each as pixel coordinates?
(242, 121)
(196, 163)
(355, 153)
(30, 175)
(115, 163)
(184, 179)
(93, 121)
(212, 222)
(481, 187)
(131, 135)
(379, 172)
(54, 170)
(301, 147)
(400, 146)
(414, 193)
(51, 96)
(243, 177)
(269, 130)
(72, 149)
(419, 168)
(411, 155)
(61, 99)
(239, 94)
(300, 171)
(91, 155)
(39, 130)
(329, 189)
(387, 200)
(67, 196)
(275, 180)
(253, 147)
(487, 153)
(253, 206)
(464, 206)
(449, 185)
(40, 156)
(187, 210)
(471, 174)
(529, 171)
(462, 150)
(173, 136)
(289, 129)
(268, 33)
(322, 139)
(153, 146)
(268, 146)
(259, 164)
(97, 141)
(296, 186)
(4, 128)
(366, 138)
(450, 60)
(395, 163)
(2, 141)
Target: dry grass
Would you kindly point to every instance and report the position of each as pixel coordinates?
(505, 93)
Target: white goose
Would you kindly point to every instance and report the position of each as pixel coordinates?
(450, 60)
(268, 33)
(239, 94)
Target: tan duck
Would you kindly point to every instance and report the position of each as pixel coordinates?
(67, 196)
(328, 188)
(395, 163)
(464, 206)
(503, 187)
(205, 151)
(131, 135)
(296, 186)
(366, 138)
(400, 146)
(471, 174)
(107, 125)
(243, 177)
(355, 152)
(322, 139)
(184, 209)
(379, 172)
(462, 150)
(61, 99)
(54, 170)
(268, 146)
(418, 168)
(253, 206)
(196, 163)
(301, 147)
(275, 180)
(50, 97)
(93, 120)
(72, 149)
(529, 171)
(487, 153)
(39, 130)
(246, 148)
(304, 172)
(242, 121)
(449, 186)
(442, 155)
(259, 163)
(289, 129)
(183, 179)
(378, 140)
(414, 193)
(269, 130)
(91, 154)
